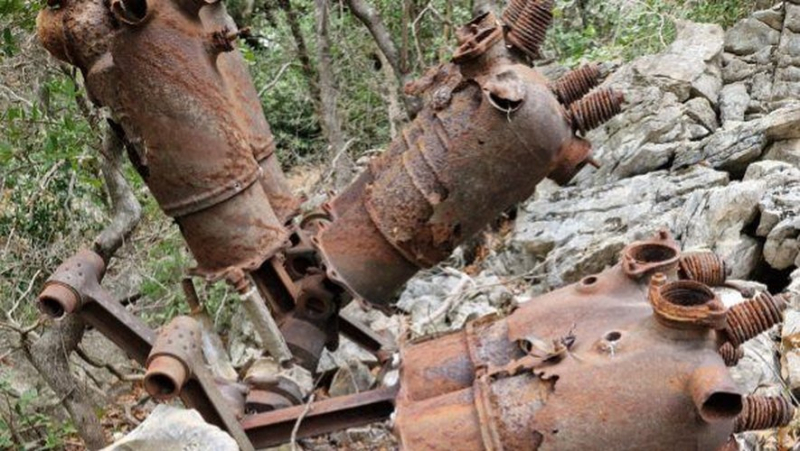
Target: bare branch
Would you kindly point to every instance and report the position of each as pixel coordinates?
(126, 210)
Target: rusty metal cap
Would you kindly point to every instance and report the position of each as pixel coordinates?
(647, 257)
(686, 304)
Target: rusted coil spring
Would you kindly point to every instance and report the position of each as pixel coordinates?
(748, 319)
(595, 109)
(513, 11)
(528, 24)
(577, 83)
(763, 412)
(730, 354)
(704, 267)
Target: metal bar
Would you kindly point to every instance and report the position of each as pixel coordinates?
(274, 428)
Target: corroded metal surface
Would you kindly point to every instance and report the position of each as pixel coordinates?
(706, 267)
(179, 89)
(81, 275)
(492, 131)
(750, 318)
(632, 358)
(764, 412)
(577, 83)
(580, 368)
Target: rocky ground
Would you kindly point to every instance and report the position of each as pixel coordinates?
(708, 147)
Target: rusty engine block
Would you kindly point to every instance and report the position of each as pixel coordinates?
(631, 358)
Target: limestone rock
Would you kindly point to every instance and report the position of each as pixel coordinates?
(172, 428)
(734, 100)
(787, 151)
(749, 36)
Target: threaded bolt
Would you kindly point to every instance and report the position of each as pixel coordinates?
(705, 267)
(577, 83)
(747, 320)
(595, 109)
(763, 412)
(528, 25)
(730, 354)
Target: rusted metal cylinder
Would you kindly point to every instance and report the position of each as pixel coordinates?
(747, 320)
(577, 83)
(442, 187)
(730, 354)
(764, 412)
(193, 111)
(175, 351)
(595, 109)
(59, 298)
(165, 377)
(705, 267)
(479, 389)
(528, 25)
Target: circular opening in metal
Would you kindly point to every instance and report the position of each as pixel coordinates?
(51, 307)
(316, 306)
(613, 336)
(721, 405)
(160, 385)
(687, 294)
(653, 253)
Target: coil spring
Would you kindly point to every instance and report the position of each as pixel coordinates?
(730, 354)
(763, 412)
(705, 267)
(577, 83)
(748, 319)
(513, 11)
(529, 29)
(595, 109)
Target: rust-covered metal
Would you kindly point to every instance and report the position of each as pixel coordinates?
(78, 279)
(764, 412)
(492, 131)
(730, 354)
(752, 317)
(706, 267)
(203, 146)
(625, 359)
(527, 23)
(632, 358)
(577, 83)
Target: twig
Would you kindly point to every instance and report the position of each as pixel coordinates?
(19, 300)
(106, 366)
(296, 427)
(275, 80)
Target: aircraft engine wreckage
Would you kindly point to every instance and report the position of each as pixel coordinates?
(632, 358)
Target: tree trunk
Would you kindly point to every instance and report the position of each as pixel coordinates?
(302, 50)
(50, 353)
(329, 113)
(50, 356)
